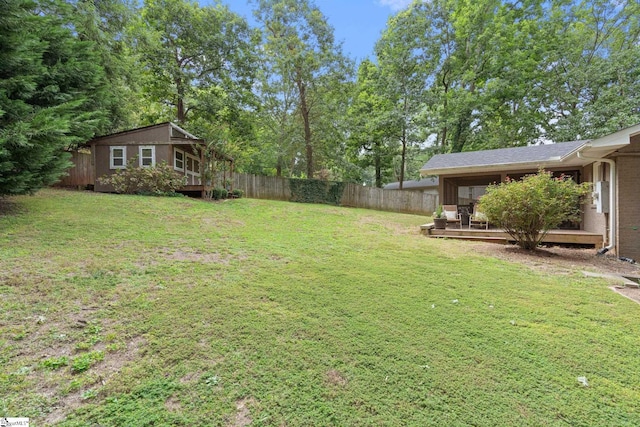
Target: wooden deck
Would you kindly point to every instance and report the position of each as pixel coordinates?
(575, 237)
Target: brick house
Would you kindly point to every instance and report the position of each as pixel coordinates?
(611, 163)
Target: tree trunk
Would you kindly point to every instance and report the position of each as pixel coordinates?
(404, 154)
(180, 114)
(404, 144)
(378, 166)
(304, 111)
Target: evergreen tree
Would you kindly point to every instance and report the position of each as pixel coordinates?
(51, 88)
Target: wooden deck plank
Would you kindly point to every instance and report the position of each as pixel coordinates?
(577, 237)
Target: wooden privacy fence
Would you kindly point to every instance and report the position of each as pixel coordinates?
(81, 174)
(415, 202)
(357, 196)
(262, 187)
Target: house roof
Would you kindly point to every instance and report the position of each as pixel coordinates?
(563, 154)
(423, 183)
(534, 156)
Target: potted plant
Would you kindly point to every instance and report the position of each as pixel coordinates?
(439, 219)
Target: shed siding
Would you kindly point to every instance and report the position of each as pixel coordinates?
(101, 158)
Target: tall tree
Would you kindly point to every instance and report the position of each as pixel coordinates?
(501, 74)
(369, 122)
(592, 79)
(196, 58)
(51, 94)
(301, 48)
(106, 24)
(404, 62)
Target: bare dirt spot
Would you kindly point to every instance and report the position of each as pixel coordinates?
(173, 404)
(195, 256)
(393, 226)
(558, 259)
(243, 416)
(191, 377)
(335, 378)
(566, 260)
(107, 369)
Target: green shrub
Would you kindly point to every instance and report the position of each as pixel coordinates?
(237, 193)
(158, 180)
(527, 209)
(316, 191)
(220, 193)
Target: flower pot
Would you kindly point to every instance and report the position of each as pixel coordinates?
(440, 223)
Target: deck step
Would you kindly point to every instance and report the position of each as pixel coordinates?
(487, 239)
(574, 237)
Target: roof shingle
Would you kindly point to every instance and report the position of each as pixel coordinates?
(503, 156)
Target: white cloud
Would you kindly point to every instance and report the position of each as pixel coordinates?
(395, 5)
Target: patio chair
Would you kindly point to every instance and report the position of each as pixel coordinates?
(479, 218)
(451, 212)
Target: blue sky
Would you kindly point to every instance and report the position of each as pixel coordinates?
(357, 23)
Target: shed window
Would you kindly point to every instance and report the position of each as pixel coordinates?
(178, 159)
(117, 157)
(147, 155)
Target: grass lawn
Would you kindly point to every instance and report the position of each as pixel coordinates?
(136, 311)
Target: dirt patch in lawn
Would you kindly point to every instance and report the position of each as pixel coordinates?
(335, 378)
(566, 260)
(243, 416)
(102, 373)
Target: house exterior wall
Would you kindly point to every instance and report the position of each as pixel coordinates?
(628, 198)
(593, 221)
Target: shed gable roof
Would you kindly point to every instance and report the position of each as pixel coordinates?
(161, 133)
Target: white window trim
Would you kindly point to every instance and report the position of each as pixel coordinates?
(175, 151)
(192, 176)
(153, 155)
(124, 156)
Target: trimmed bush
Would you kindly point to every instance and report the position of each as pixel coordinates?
(527, 209)
(158, 180)
(220, 193)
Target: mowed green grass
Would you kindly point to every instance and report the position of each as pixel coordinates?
(141, 311)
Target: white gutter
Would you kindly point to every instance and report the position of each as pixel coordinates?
(612, 199)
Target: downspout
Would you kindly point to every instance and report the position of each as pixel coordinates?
(612, 200)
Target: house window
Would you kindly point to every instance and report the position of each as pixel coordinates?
(147, 154)
(178, 160)
(470, 194)
(117, 157)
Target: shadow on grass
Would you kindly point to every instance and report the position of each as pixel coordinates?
(9, 207)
